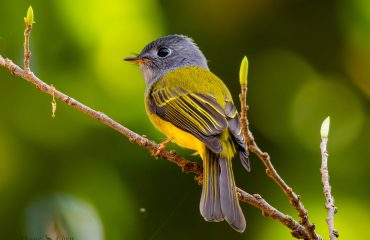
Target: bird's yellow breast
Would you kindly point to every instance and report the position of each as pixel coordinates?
(178, 136)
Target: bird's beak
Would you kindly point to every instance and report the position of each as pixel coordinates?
(134, 59)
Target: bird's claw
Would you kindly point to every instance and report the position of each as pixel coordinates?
(162, 147)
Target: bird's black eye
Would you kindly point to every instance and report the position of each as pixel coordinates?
(163, 52)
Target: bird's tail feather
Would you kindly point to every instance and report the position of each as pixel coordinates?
(219, 200)
(229, 201)
(210, 205)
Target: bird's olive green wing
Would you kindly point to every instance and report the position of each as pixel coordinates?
(196, 113)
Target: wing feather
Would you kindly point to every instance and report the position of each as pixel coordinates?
(195, 113)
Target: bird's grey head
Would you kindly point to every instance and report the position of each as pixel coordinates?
(166, 54)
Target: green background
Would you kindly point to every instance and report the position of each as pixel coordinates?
(72, 175)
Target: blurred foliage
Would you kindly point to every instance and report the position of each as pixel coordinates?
(307, 60)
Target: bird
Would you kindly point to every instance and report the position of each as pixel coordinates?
(193, 108)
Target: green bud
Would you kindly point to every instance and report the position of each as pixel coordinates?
(28, 20)
(325, 128)
(243, 73)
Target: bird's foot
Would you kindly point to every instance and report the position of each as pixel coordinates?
(162, 147)
(199, 179)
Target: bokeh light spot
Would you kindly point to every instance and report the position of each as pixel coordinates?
(63, 216)
(318, 99)
(274, 79)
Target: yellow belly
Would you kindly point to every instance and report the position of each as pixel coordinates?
(178, 136)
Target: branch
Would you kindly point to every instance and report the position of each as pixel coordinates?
(329, 204)
(155, 149)
(132, 136)
(28, 20)
(298, 231)
(295, 199)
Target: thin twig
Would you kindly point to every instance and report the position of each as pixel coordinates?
(53, 103)
(295, 199)
(28, 20)
(329, 204)
(27, 52)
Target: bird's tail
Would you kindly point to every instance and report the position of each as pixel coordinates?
(219, 200)
(210, 201)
